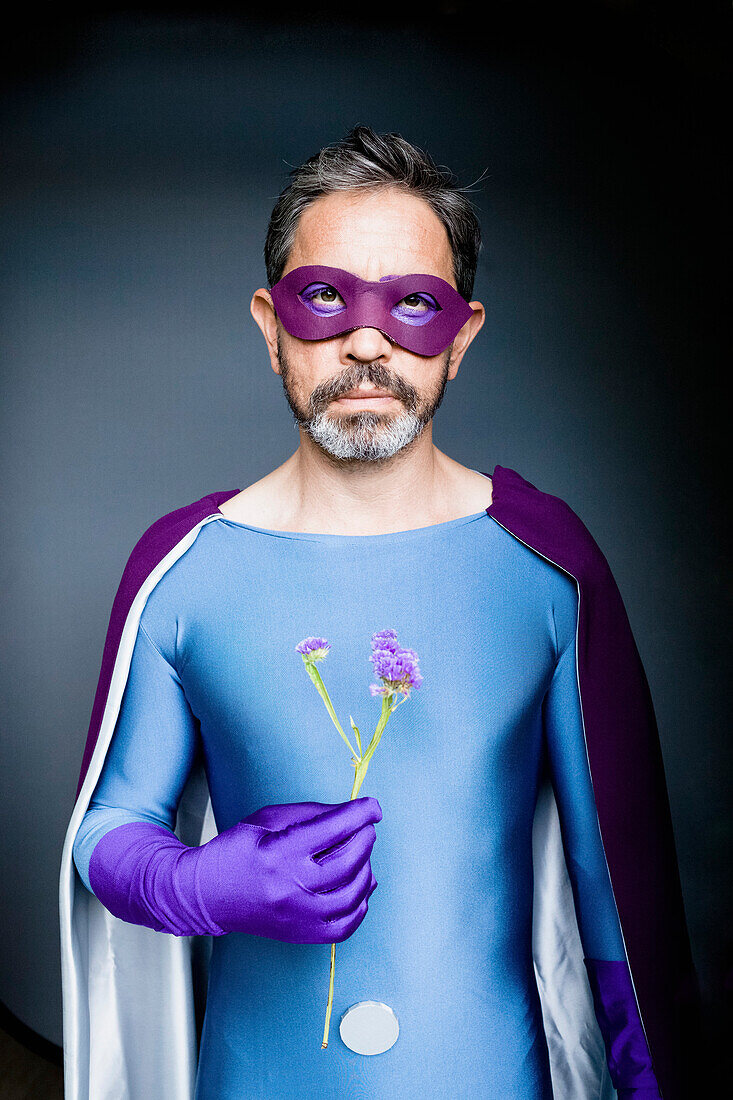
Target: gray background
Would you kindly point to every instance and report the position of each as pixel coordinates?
(142, 157)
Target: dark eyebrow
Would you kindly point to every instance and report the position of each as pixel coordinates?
(386, 277)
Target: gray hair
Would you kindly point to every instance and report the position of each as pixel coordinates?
(368, 161)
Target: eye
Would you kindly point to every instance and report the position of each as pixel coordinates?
(416, 309)
(322, 299)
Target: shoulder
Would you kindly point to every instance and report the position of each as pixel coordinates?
(156, 541)
(166, 532)
(548, 524)
(159, 616)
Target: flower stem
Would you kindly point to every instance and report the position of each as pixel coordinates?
(360, 770)
(321, 688)
(324, 1044)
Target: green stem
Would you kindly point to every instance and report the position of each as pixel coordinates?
(324, 1043)
(321, 688)
(363, 764)
(360, 770)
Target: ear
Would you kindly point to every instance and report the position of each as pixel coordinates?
(466, 337)
(262, 309)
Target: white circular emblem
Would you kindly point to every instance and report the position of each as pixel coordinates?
(369, 1027)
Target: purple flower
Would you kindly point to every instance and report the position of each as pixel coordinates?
(397, 668)
(313, 649)
(385, 639)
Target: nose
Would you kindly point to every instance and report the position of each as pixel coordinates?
(366, 345)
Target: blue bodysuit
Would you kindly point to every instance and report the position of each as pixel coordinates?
(447, 940)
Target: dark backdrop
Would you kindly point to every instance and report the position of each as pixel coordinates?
(143, 151)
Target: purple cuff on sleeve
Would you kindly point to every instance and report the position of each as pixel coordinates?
(144, 874)
(629, 1061)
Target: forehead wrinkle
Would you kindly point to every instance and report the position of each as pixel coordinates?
(380, 227)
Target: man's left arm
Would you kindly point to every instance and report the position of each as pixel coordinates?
(627, 1052)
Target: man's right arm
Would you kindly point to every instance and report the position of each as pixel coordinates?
(298, 872)
(151, 754)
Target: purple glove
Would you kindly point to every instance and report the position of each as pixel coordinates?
(627, 1053)
(298, 872)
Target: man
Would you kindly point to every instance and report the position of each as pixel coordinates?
(528, 939)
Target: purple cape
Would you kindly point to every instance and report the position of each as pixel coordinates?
(622, 743)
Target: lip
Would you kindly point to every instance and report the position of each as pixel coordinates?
(374, 395)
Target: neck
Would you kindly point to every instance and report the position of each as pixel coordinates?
(414, 488)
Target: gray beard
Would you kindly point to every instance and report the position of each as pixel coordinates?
(366, 436)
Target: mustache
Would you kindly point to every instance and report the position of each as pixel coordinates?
(373, 373)
(332, 388)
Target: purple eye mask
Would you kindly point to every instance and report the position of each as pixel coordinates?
(425, 324)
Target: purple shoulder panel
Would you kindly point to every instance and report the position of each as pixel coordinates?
(628, 779)
(150, 549)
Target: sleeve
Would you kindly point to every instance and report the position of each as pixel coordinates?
(125, 849)
(628, 1057)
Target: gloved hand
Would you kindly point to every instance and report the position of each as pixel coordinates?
(298, 872)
